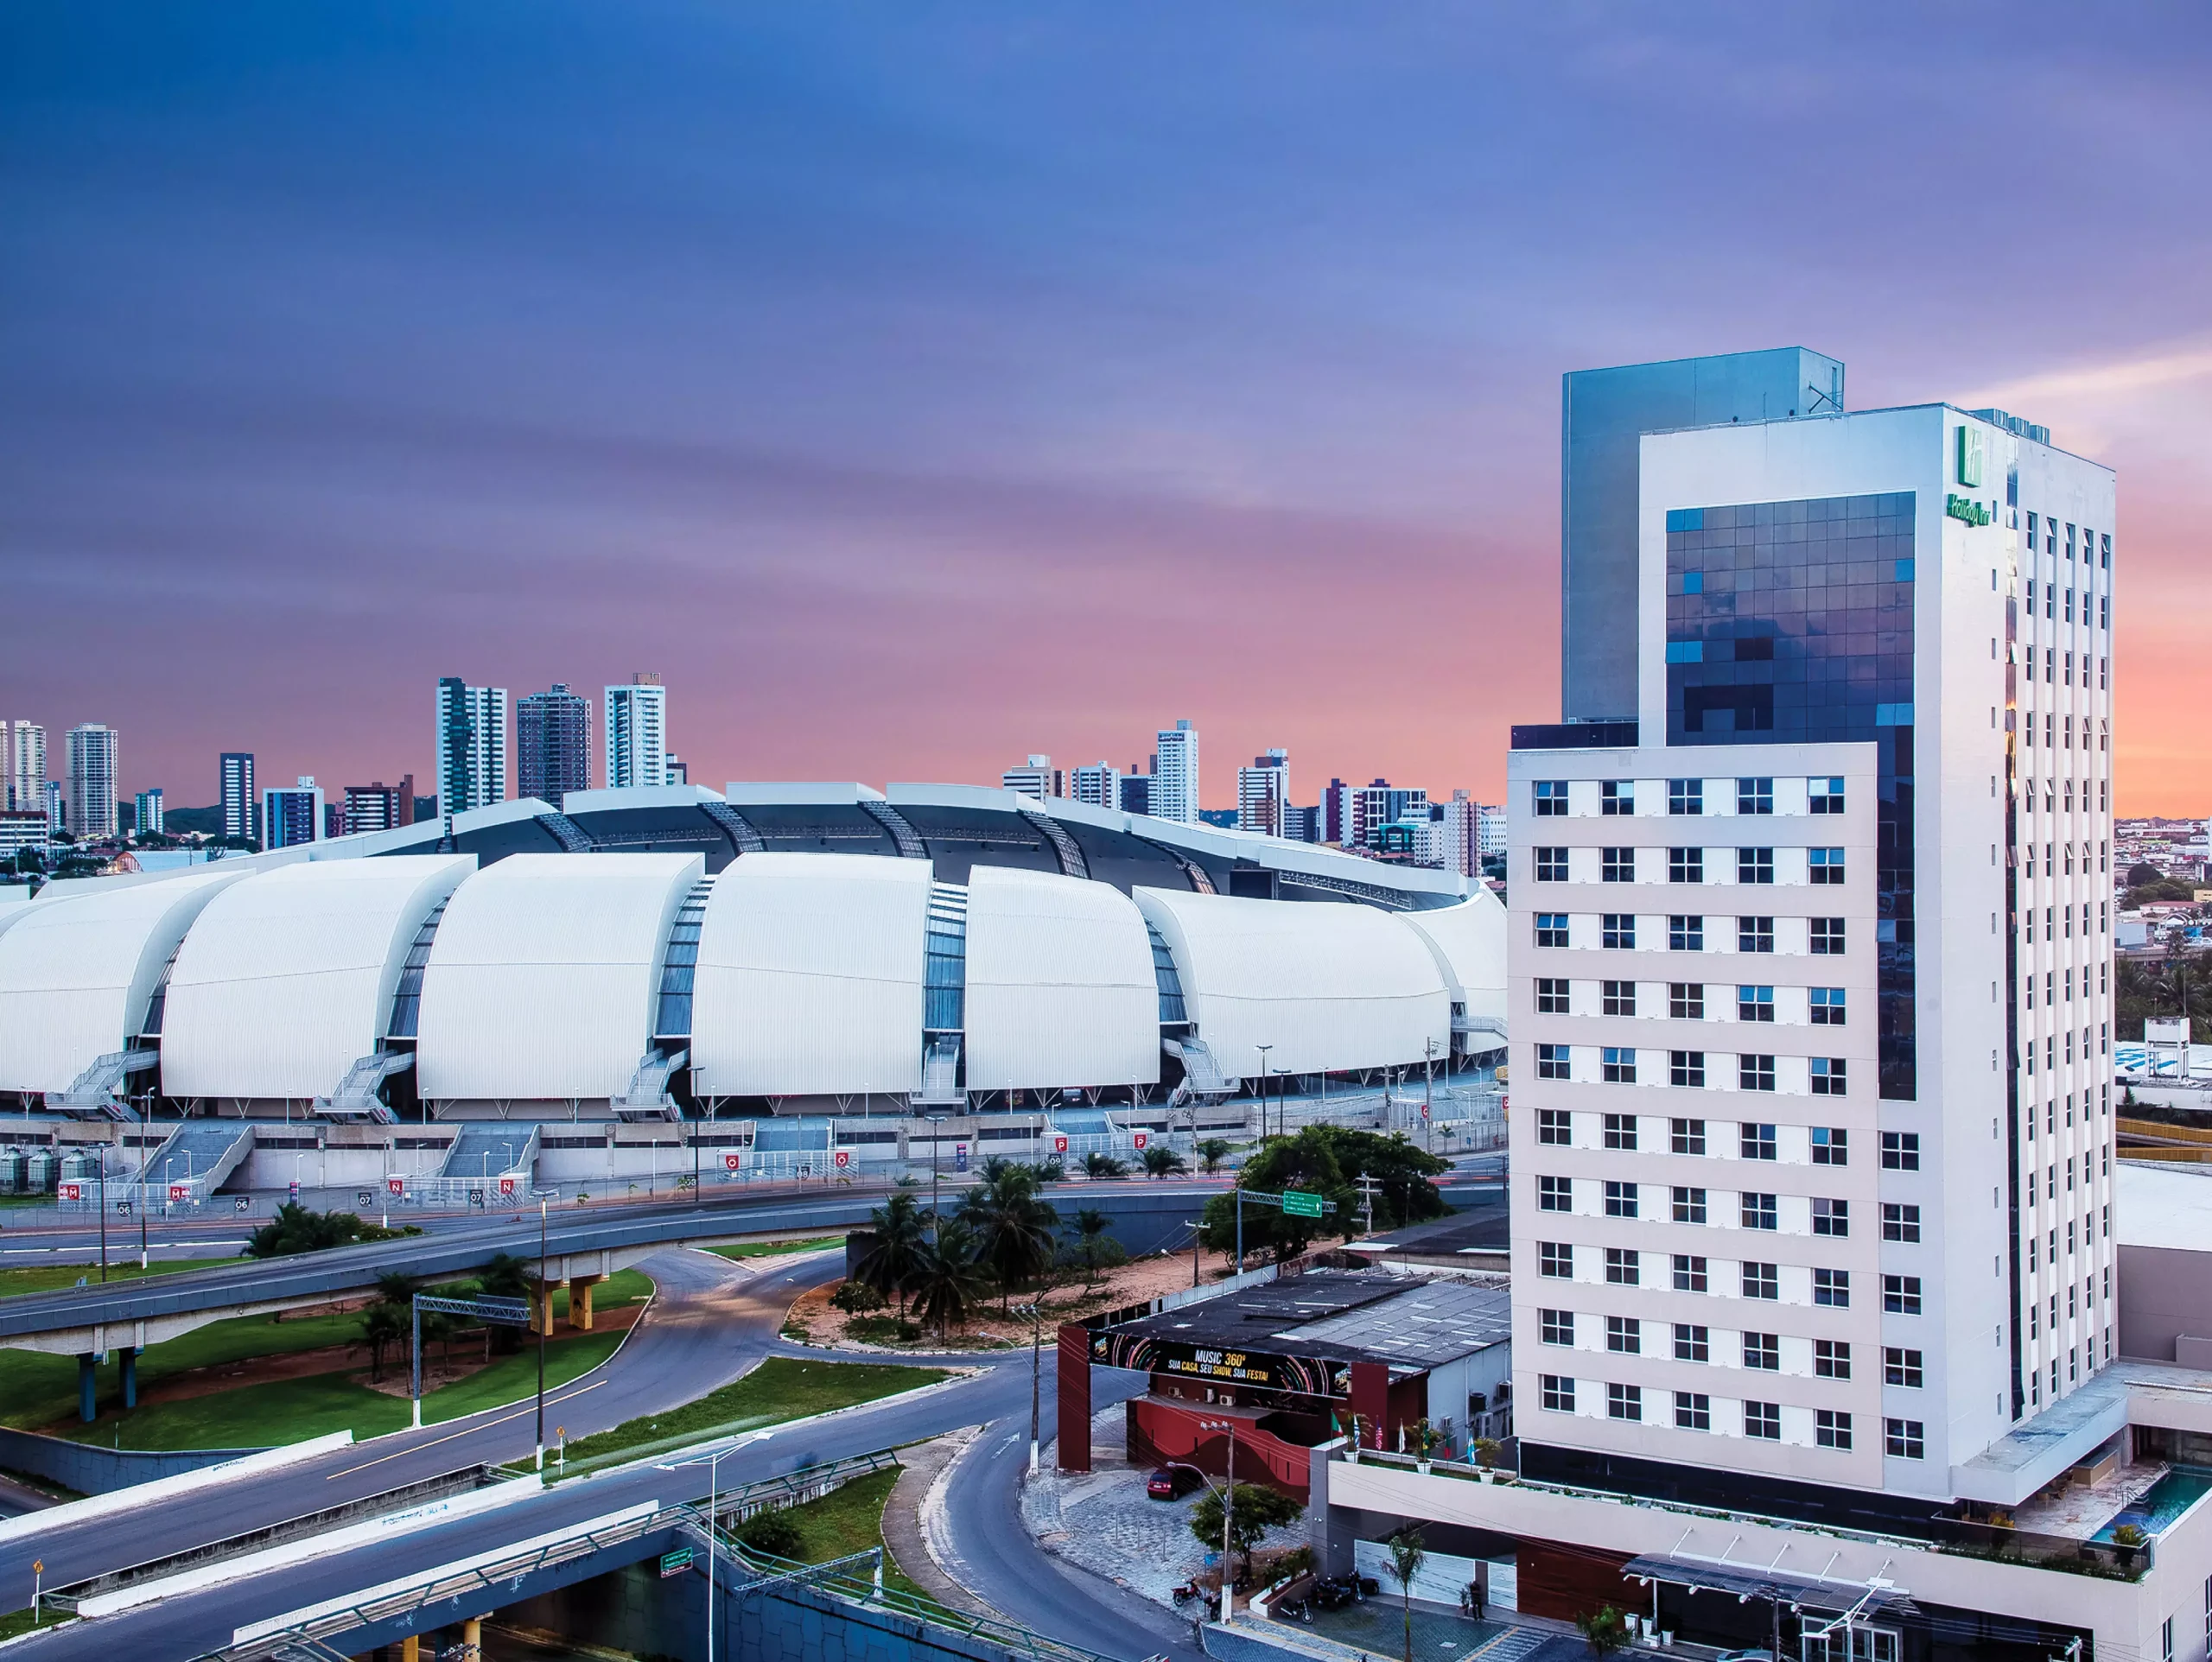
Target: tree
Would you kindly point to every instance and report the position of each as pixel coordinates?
(1011, 1224)
(1211, 1153)
(295, 1229)
(948, 1282)
(1160, 1161)
(507, 1276)
(1604, 1630)
(771, 1533)
(1256, 1510)
(382, 1326)
(1096, 1164)
(1329, 1160)
(855, 1298)
(1408, 1554)
(888, 1263)
(1095, 1249)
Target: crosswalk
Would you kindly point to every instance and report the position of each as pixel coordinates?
(1512, 1646)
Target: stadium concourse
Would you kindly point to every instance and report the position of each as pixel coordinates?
(768, 953)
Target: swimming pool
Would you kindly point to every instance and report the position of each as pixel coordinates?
(2156, 1509)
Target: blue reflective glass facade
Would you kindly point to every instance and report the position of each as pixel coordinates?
(1790, 622)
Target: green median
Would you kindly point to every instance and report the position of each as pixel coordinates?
(776, 1248)
(49, 1278)
(781, 1388)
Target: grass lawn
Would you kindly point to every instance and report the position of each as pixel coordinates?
(774, 1248)
(781, 1388)
(16, 1623)
(850, 1520)
(45, 1278)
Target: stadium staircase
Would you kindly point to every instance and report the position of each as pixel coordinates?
(1202, 1075)
(482, 1152)
(941, 1075)
(96, 1093)
(359, 1094)
(647, 1097)
(198, 1157)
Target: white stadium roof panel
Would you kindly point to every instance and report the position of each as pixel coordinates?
(287, 977)
(542, 982)
(76, 974)
(1326, 985)
(1060, 984)
(809, 977)
(1470, 943)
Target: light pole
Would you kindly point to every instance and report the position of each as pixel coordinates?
(714, 1500)
(103, 1158)
(544, 1320)
(1035, 1313)
(1227, 1515)
(1264, 1049)
(936, 1143)
(1428, 1092)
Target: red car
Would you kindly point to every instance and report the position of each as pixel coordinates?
(1171, 1483)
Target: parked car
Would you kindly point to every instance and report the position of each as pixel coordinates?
(1171, 1483)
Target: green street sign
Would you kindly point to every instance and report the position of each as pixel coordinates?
(1299, 1205)
(675, 1563)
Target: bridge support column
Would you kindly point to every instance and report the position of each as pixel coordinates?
(129, 1355)
(87, 1397)
(541, 1306)
(580, 1288)
(472, 1639)
(410, 1649)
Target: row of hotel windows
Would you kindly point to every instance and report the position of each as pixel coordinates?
(1822, 866)
(2050, 1111)
(1906, 1439)
(1685, 932)
(1693, 1272)
(2051, 986)
(2056, 737)
(1900, 1223)
(1762, 1352)
(2052, 662)
(2050, 606)
(2050, 800)
(2050, 523)
(1829, 1075)
(1830, 1144)
(1822, 795)
(1825, 1006)
(2051, 858)
(2053, 1052)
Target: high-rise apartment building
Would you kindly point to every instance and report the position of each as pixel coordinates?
(292, 815)
(57, 805)
(146, 813)
(637, 733)
(472, 746)
(1490, 830)
(379, 807)
(1263, 794)
(92, 781)
(552, 744)
(1175, 775)
(25, 766)
(1367, 809)
(1136, 791)
(241, 808)
(1098, 784)
(1455, 829)
(1037, 778)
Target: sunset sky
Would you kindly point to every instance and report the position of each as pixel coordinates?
(918, 386)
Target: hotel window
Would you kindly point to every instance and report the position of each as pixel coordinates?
(1617, 1065)
(1620, 1131)
(1686, 1136)
(1831, 1288)
(1552, 996)
(1686, 796)
(1686, 1000)
(1622, 1267)
(1616, 797)
(1900, 1150)
(1685, 865)
(1754, 1073)
(1624, 1335)
(1826, 937)
(1905, 1439)
(1755, 796)
(1624, 1402)
(1556, 1259)
(1831, 1146)
(1552, 1126)
(1831, 1359)
(1558, 1393)
(1617, 930)
(1761, 1281)
(1552, 1062)
(1689, 1205)
(1557, 1326)
(1762, 1420)
(1755, 1004)
(1694, 1413)
(1551, 865)
(1551, 929)
(1616, 865)
(1555, 1193)
(1903, 1367)
(1827, 1006)
(1901, 1221)
(1685, 933)
(1620, 1200)
(1825, 796)
(1551, 799)
(1831, 1217)
(1901, 1295)
(1758, 1211)
(1693, 1343)
(1831, 1428)
(1755, 935)
(1690, 1272)
(1687, 1068)
(1825, 864)
(1755, 866)
(1618, 998)
(1757, 1142)
(1762, 1352)
(1829, 1075)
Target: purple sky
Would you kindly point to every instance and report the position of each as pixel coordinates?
(915, 387)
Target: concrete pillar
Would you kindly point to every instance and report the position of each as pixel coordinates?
(87, 1397)
(580, 1288)
(1074, 1382)
(130, 1355)
(541, 1308)
(410, 1649)
(472, 1639)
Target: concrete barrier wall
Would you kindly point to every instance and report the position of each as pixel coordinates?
(91, 1470)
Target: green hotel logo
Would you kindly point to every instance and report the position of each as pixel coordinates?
(1970, 456)
(1965, 508)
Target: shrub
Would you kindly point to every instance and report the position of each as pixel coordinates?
(773, 1533)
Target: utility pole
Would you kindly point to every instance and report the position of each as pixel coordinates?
(1367, 1185)
(1035, 1313)
(1264, 1049)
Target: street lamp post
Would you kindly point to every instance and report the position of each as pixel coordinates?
(1227, 1515)
(1035, 1313)
(544, 1320)
(1264, 1049)
(714, 1501)
(102, 1159)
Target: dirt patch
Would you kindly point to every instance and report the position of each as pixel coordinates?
(814, 1320)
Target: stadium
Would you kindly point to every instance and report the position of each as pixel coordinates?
(803, 967)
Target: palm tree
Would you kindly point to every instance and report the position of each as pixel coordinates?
(1406, 1555)
(1096, 1164)
(948, 1281)
(1211, 1153)
(382, 1325)
(1090, 1225)
(889, 1262)
(1011, 1227)
(1160, 1161)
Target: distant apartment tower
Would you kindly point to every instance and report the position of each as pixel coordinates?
(1354, 815)
(1099, 785)
(675, 769)
(1036, 777)
(238, 798)
(1136, 792)
(56, 804)
(1490, 830)
(1175, 775)
(472, 746)
(92, 780)
(379, 807)
(292, 814)
(27, 769)
(146, 813)
(552, 744)
(1263, 794)
(637, 733)
(21, 828)
(1456, 824)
